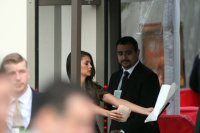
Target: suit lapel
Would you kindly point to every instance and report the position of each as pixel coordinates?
(118, 77)
(132, 78)
(35, 98)
(33, 102)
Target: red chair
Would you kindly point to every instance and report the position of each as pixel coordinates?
(189, 103)
(176, 124)
(190, 111)
(189, 98)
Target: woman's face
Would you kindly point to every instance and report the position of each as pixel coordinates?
(86, 66)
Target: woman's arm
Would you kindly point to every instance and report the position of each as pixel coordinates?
(113, 114)
(109, 98)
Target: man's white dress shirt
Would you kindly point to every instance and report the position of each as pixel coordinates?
(25, 104)
(130, 70)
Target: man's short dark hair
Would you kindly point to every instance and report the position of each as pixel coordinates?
(128, 40)
(56, 96)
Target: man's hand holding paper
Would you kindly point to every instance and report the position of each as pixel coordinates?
(166, 93)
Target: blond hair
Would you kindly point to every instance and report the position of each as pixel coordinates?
(13, 58)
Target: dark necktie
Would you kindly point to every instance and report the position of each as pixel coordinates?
(124, 80)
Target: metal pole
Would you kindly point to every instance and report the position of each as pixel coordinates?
(176, 23)
(76, 42)
(114, 34)
(171, 37)
(57, 44)
(36, 45)
(168, 41)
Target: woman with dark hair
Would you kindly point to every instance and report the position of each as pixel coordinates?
(98, 93)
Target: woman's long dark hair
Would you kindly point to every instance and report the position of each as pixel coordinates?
(90, 85)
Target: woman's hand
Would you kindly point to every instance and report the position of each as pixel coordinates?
(148, 110)
(115, 115)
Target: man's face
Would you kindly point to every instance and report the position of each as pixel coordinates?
(18, 75)
(79, 117)
(127, 56)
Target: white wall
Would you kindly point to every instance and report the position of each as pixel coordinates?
(13, 35)
(88, 34)
(46, 46)
(46, 40)
(17, 33)
(13, 27)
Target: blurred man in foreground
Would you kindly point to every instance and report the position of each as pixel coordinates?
(23, 97)
(63, 109)
(4, 101)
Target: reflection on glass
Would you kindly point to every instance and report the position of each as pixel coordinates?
(143, 21)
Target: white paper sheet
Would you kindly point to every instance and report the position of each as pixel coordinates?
(166, 93)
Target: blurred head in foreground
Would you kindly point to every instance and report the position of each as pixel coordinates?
(64, 109)
(4, 100)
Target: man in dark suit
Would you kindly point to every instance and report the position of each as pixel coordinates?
(195, 85)
(23, 97)
(137, 84)
(195, 75)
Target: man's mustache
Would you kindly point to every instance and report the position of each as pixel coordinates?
(125, 60)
